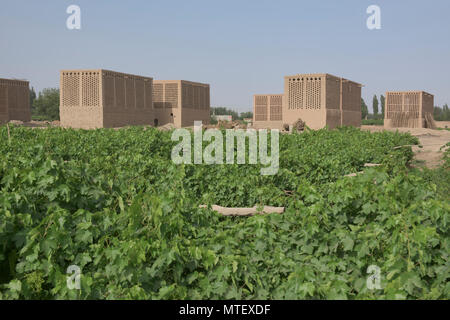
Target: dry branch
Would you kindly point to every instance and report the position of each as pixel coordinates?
(368, 165)
(354, 174)
(405, 146)
(244, 212)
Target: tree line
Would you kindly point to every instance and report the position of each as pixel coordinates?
(224, 111)
(441, 114)
(45, 105)
(378, 113)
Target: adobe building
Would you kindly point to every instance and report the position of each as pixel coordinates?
(410, 109)
(14, 100)
(100, 98)
(321, 100)
(318, 99)
(268, 111)
(181, 102)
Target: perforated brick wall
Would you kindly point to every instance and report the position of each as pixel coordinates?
(276, 107)
(158, 97)
(267, 108)
(109, 83)
(90, 89)
(261, 108)
(198, 103)
(407, 109)
(427, 103)
(133, 100)
(267, 111)
(103, 98)
(14, 100)
(4, 117)
(305, 92)
(181, 102)
(351, 103)
(188, 96)
(70, 91)
(321, 100)
(171, 95)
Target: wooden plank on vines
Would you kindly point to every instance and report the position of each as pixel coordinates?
(245, 212)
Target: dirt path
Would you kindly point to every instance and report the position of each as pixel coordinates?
(431, 140)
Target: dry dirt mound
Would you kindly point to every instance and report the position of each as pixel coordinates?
(167, 127)
(443, 124)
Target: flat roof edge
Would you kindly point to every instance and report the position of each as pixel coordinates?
(322, 75)
(22, 80)
(410, 91)
(181, 81)
(104, 70)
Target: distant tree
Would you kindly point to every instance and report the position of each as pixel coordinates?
(441, 114)
(445, 113)
(246, 115)
(32, 97)
(383, 105)
(375, 106)
(364, 109)
(437, 113)
(46, 105)
(223, 111)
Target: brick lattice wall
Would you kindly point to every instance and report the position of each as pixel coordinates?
(14, 100)
(407, 109)
(181, 102)
(103, 98)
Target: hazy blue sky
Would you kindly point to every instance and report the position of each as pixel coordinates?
(240, 47)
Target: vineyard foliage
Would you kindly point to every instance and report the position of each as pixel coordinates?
(113, 203)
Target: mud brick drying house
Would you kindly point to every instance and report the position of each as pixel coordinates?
(181, 102)
(14, 100)
(268, 111)
(104, 99)
(318, 99)
(411, 109)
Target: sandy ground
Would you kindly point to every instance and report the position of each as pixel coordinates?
(443, 124)
(431, 140)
